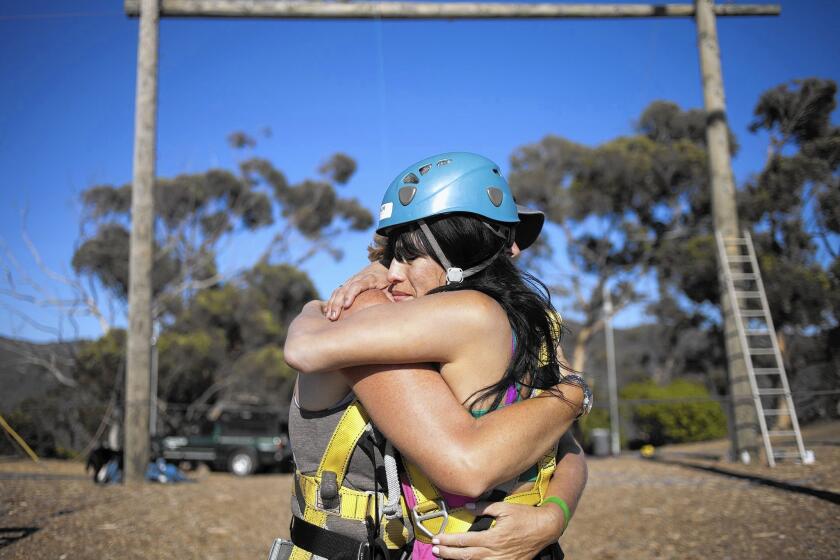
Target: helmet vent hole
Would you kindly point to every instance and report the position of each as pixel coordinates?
(406, 195)
(496, 171)
(443, 162)
(496, 196)
(425, 169)
(411, 178)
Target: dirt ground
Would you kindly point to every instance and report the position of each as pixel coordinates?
(632, 508)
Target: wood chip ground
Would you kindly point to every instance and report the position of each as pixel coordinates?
(632, 509)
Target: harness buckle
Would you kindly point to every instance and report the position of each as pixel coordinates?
(441, 511)
(374, 509)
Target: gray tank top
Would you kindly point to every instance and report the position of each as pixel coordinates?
(310, 432)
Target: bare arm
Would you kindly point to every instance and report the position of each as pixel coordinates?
(415, 409)
(440, 328)
(567, 483)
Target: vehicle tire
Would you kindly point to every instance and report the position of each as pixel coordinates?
(242, 462)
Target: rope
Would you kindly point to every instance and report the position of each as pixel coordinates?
(18, 439)
(392, 509)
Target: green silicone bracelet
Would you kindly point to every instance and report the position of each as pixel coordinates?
(567, 513)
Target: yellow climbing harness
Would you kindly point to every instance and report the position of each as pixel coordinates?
(431, 515)
(346, 503)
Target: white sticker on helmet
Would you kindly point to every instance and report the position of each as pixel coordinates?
(385, 210)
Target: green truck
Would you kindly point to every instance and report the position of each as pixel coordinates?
(240, 441)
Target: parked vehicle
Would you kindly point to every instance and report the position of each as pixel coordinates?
(240, 441)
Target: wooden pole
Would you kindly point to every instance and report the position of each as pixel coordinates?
(286, 9)
(136, 425)
(724, 212)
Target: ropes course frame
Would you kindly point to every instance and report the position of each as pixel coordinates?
(149, 12)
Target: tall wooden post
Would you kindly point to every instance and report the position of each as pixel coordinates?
(136, 425)
(725, 217)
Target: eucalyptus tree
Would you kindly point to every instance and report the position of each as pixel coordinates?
(618, 205)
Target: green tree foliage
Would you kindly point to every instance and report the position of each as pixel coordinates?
(641, 203)
(221, 335)
(229, 339)
(793, 206)
(620, 205)
(195, 212)
(678, 422)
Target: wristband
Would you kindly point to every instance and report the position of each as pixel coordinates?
(567, 513)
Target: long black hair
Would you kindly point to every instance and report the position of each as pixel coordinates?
(467, 241)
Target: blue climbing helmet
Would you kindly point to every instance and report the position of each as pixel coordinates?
(454, 182)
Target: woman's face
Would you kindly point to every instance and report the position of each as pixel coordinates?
(415, 278)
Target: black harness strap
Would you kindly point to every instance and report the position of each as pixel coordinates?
(324, 543)
(335, 546)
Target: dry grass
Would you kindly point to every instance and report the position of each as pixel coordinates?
(632, 509)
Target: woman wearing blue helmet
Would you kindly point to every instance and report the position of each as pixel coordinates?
(449, 221)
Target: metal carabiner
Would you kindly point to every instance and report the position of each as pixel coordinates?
(418, 518)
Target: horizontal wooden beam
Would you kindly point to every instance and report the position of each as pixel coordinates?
(284, 9)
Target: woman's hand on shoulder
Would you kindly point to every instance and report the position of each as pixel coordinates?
(372, 277)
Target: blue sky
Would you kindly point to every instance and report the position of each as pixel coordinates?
(387, 93)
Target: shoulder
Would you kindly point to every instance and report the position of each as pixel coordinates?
(468, 307)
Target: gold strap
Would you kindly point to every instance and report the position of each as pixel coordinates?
(347, 433)
(353, 504)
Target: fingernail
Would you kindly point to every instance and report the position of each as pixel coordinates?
(435, 550)
(469, 505)
(332, 314)
(435, 540)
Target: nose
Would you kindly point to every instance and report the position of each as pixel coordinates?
(396, 272)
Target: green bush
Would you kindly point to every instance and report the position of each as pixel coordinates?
(674, 422)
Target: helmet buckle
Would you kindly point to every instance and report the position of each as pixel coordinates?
(454, 275)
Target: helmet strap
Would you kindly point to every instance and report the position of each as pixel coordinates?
(503, 232)
(455, 275)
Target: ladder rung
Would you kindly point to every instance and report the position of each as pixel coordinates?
(781, 433)
(757, 332)
(748, 294)
(744, 276)
(762, 351)
(783, 454)
(735, 240)
(752, 312)
(738, 258)
(767, 371)
(775, 412)
(768, 392)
